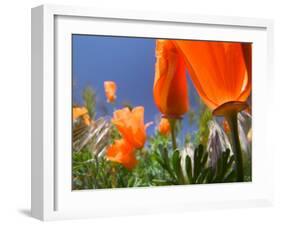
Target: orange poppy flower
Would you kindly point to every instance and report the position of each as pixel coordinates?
(170, 82)
(122, 152)
(77, 112)
(81, 112)
(220, 71)
(164, 127)
(86, 119)
(131, 125)
(225, 126)
(110, 91)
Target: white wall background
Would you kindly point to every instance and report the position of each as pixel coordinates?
(15, 111)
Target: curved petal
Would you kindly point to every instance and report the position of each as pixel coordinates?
(217, 70)
(170, 83)
(130, 125)
(182, 47)
(122, 152)
(247, 53)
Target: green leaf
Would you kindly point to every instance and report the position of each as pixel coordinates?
(176, 159)
(188, 169)
(198, 153)
(160, 182)
(230, 177)
(202, 177)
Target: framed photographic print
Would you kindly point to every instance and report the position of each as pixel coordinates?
(137, 112)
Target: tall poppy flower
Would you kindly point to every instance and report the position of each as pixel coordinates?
(164, 127)
(121, 151)
(110, 91)
(221, 73)
(130, 123)
(170, 82)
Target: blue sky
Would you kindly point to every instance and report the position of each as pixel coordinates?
(127, 61)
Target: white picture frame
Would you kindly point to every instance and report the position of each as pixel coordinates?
(52, 197)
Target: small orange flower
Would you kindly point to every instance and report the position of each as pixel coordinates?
(170, 82)
(86, 119)
(77, 112)
(81, 112)
(220, 71)
(225, 125)
(164, 127)
(131, 125)
(110, 91)
(122, 152)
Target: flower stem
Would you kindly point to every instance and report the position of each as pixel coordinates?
(231, 118)
(172, 122)
(113, 182)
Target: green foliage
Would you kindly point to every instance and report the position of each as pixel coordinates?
(147, 169)
(89, 97)
(197, 170)
(91, 172)
(247, 165)
(224, 170)
(203, 129)
(191, 114)
(157, 166)
(187, 139)
(114, 134)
